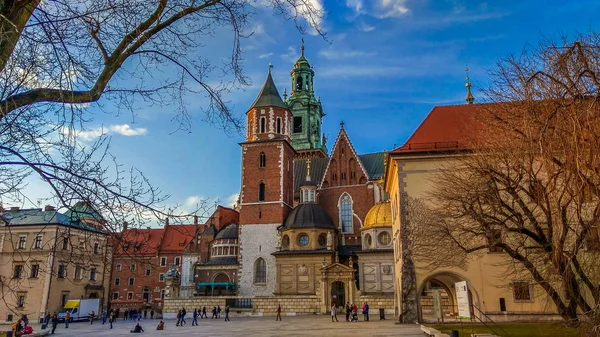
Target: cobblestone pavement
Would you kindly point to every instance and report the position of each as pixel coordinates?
(318, 325)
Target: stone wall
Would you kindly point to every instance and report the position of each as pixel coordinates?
(376, 302)
(261, 306)
(257, 241)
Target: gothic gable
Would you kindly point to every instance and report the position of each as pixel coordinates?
(344, 167)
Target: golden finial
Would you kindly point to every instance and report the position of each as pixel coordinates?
(470, 99)
(302, 47)
(308, 169)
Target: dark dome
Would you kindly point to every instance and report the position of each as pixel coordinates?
(229, 232)
(310, 215)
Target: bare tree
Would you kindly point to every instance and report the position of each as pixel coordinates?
(530, 184)
(58, 58)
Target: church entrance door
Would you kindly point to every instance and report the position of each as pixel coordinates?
(338, 294)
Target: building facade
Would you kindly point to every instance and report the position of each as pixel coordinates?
(48, 257)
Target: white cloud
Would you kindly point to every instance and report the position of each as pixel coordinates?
(334, 54)
(263, 56)
(381, 9)
(365, 27)
(119, 129)
(291, 55)
(390, 8)
(231, 200)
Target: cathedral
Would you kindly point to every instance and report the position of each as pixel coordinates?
(314, 225)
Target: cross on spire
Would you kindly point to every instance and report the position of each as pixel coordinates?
(270, 67)
(470, 98)
(302, 47)
(342, 124)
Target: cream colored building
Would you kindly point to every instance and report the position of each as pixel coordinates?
(48, 257)
(493, 294)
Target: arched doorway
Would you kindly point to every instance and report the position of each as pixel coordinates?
(338, 294)
(444, 283)
(93, 295)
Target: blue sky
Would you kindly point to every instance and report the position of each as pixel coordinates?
(386, 64)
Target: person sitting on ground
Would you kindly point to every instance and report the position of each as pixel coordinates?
(161, 326)
(137, 329)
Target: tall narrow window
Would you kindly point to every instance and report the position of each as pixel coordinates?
(260, 271)
(346, 213)
(297, 124)
(262, 160)
(263, 125)
(278, 125)
(261, 191)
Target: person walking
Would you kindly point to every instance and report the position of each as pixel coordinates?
(67, 320)
(227, 314)
(145, 313)
(218, 311)
(111, 318)
(152, 314)
(178, 317)
(183, 313)
(104, 316)
(365, 309)
(139, 315)
(54, 322)
(125, 314)
(214, 313)
(195, 317)
(348, 312)
(278, 318)
(334, 313)
(203, 312)
(92, 314)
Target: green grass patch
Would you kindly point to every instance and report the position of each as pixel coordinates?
(512, 329)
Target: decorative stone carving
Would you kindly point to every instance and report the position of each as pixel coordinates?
(302, 270)
(329, 241)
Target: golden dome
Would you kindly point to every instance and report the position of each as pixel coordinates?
(380, 215)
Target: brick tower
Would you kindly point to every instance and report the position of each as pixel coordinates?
(266, 195)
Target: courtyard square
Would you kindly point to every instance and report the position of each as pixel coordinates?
(317, 325)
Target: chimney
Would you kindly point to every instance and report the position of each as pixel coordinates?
(195, 220)
(124, 226)
(14, 209)
(49, 208)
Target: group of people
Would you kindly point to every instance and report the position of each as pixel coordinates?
(216, 314)
(351, 312)
(137, 314)
(21, 327)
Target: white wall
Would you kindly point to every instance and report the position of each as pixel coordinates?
(257, 241)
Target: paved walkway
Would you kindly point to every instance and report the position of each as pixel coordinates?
(318, 325)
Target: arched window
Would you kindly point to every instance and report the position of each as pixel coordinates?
(263, 125)
(261, 191)
(262, 160)
(278, 125)
(260, 271)
(299, 83)
(346, 213)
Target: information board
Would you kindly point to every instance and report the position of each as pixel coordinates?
(462, 299)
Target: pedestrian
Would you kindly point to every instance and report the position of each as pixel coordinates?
(214, 313)
(47, 319)
(104, 316)
(278, 318)
(92, 314)
(227, 314)
(54, 322)
(145, 313)
(137, 328)
(183, 313)
(17, 328)
(203, 312)
(152, 314)
(67, 320)
(348, 312)
(178, 317)
(195, 318)
(139, 315)
(218, 311)
(111, 318)
(334, 313)
(365, 309)
(125, 314)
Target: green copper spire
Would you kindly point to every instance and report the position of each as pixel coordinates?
(307, 110)
(269, 96)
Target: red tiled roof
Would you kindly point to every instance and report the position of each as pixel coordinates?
(139, 241)
(177, 237)
(446, 128)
